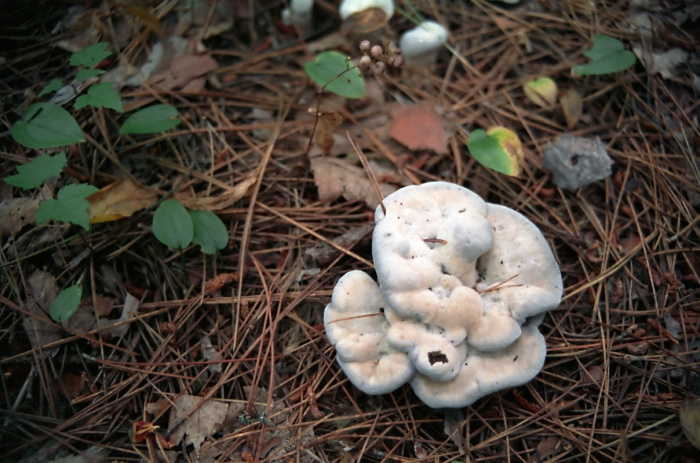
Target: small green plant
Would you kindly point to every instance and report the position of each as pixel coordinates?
(608, 55)
(70, 206)
(66, 303)
(156, 118)
(48, 125)
(497, 148)
(34, 173)
(333, 71)
(176, 227)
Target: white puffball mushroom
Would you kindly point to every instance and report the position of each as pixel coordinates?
(300, 12)
(350, 7)
(420, 45)
(463, 287)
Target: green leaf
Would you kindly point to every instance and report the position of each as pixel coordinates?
(209, 231)
(172, 225)
(156, 118)
(498, 149)
(46, 125)
(608, 55)
(85, 74)
(70, 206)
(66, 303)
(100, 95)
(54, 85)
(334, 71)
(91, 56)
(34, 173)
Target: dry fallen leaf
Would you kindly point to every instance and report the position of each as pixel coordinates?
(16, 213)
(41, 292)
(120, 199)
(419, 128)
(222, 201)
(572, 105)
(327, 123)
(335, 178)
(117, 328)
(197, 424)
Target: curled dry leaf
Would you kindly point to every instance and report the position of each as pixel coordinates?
(196, 421)
(222, 201)
(16, 213)
(572, 106)
(335, 178)
(120, 199)
(42, 290)
(327, 123)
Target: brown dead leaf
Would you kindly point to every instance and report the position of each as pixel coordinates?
(572, 105)
(184, 69)
(70, 385)
(419, 128)
(42, 290)
(327, 123)
(216, 203)
(16, 213)
(546, 448)
(336, 177)
(219, 281)
(141, 11)
(120, 199)
(197, 423)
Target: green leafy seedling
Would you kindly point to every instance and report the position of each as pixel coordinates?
(156, 118)
(333, 71)
(52, 86)
(91, 56)
(608, 55)
(66, 303)
(498, 149)
(209, 231)
(172, 225)
(100, 95)
(46, 125)
(70, 206)
(85, 74)
(34, 173)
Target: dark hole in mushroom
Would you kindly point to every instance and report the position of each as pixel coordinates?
(574, 159)
(437, 356)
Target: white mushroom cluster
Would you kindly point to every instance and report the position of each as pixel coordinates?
(463, 287)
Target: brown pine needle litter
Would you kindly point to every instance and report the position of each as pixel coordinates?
(224, 358)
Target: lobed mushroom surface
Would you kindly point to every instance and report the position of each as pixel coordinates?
(463, 286)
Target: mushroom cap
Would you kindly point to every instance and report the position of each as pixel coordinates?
(419, 46)
(357, 327)
(349, 7)
(463, 287)
(486, 372)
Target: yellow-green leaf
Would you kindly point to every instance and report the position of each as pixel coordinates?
(541, 91)
(497, 148)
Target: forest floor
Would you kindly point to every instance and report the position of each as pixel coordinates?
(176, 355)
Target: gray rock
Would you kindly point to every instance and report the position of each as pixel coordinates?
(577, 161)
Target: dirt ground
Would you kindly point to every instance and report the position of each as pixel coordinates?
(175, 355)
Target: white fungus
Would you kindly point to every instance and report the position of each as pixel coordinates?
(420, 45)
(463, 287)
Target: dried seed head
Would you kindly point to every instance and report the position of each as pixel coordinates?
(365, 46)
(378, 68)
(397, 61)
(376, 51)
(364, 63)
